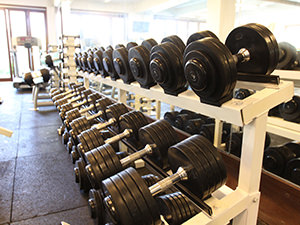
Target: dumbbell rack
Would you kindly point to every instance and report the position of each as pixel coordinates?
(68, 47)
(240, 204)
(277, 125)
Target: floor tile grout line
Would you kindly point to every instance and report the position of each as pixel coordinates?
(47, 214)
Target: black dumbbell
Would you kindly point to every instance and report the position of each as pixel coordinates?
(121, 65)
(233, 143)
(211, 68)
(130, 45)
(276, 158)
(95, 201)
(98, 62)
(76, 96)
(208, 131)
(176, 208)
(170, 117)
(183, 117)
(194, 161)
(83, 59)
(90, 60)
(193, 126)
(59, 95)
(103, 161)
(166, 65)
(109, 65)
(139, 59)
(290, 110)
(129, 124)
(292, 170)
(287, 56)
(242, 93)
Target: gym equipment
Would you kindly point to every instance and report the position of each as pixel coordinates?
(233, 143)
(170, 117)
(105, 158)
(40, 77)
(166, 65)
(130, 45)
(242, 93)
(208, 131)
(74, 97)
(211, 69)
(276, 158)
(120, 46)
(287, 56)
(98, 62)
(109, 65)
(90, 60)
(95, 201)
(292, 170)
(199, 35)
(194, 161)
(139, 59)
(290, 110)
(193, 126)
(121, 65)
(176, 208)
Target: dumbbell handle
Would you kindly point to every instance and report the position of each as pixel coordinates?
(67, 92)
(137, 155)
(125, 133)
(76, 105)
(243, 55)
(75, 99)
(100, 113)
(101, 126)
(166, 183)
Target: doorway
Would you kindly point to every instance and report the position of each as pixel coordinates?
(16, 22)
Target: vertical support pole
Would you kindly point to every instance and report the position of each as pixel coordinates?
(251, 165)
(221, 17)
(35, 104)
(158, 109)
(33, 92)
(122, 96)
(218, 133)
(86, 82)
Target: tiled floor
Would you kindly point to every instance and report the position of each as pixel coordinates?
(36, 174)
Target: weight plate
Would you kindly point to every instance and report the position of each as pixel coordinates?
(290, 110)
(153, 209)
(93, 139)
(176, 41)
(287, 55)
(295, 147)
(109, 162)
(199, 35)
(108, 64)
(93, 172)
(130, 45)
(114, 157)
(149, 43)
(292, 171)
(121, 65)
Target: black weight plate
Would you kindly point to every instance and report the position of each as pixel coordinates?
(114, 156)
(179, 156)
(153, 209)
(99, 138)
(82, 141)
(170, 132)
(185, 208)
(94, 178)
(176, 41)
(85, 138)
(97, 157)
(167, 209)
(139, 59)
(199, 35)
(108, 64)
(149, 43)
(130, 45)
(102, 157)
(121, 65)
(290, 110)
(109, 160)
(74, 127)
(119, 201)
(131, 201)
(294, 147)
(139, 198)
(179, 208)
(98, 212)
(88, 140)
(93, 138)
(292, 171)
(203, 165)
(287, 55)
(251, 38)
(177, 216)
(186, 204)
(213, 175)
(218, 159)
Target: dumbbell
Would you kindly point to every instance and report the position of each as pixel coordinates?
(98, 62)
(72, 89)
(139, 59)
(119, 46)
(170, 117)
(90, 60)
(166, 65)
(211, 68)
(176, 208)
(95, 201)
(276, 158)
(121, 65)
(129, 125)
(96, 104)
(130, 45)
(208, 131)
(193, 126)
(287, 56)
(233, 143)
(109, 65)
(75, 96)
(290, 110)
(292, 170)
(100, 167)
(242, 93)
(72, 105)
(194, 161)
(113, 112)
(182, 118)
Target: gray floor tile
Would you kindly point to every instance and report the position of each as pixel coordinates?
(9, 146)
(41, 118)
(6, 186)
(45, 184)
(39, 140)
(79, 216)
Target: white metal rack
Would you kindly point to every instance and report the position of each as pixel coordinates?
(241, 204)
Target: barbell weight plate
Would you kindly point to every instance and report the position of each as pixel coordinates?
(93, 138)
(114, 157)
(95, 168)
(99, 138)
(108, 157)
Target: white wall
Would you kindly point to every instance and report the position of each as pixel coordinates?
(50, 14)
